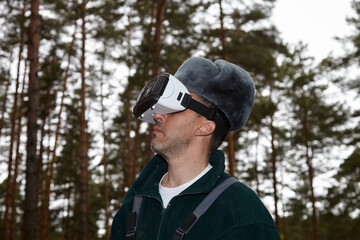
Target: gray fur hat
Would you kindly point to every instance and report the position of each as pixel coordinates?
(226, 85)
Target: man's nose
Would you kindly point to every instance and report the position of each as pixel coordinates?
(159, 117)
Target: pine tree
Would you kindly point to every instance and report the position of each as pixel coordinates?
(30, 209)
(84, 161)
(12, 166)
(342, 202)
(316, 129)
(256, 50)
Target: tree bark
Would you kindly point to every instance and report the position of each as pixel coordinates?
(9, 183)
(222, 32)
(256, 166)
(17, 158)
(160, 8)
(49, 173)
(105, 156)
(30, 210)
(3, 108)
(41, 176)
(129, 164)
(84, 172)
(231, 153)
(274, 170)
(306, 129)
(230, 137)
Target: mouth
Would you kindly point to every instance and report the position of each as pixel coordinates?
(156, 130)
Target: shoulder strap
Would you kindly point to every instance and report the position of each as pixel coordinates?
(201, 209)
(133, 216)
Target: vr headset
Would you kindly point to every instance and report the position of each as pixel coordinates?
(166, 94)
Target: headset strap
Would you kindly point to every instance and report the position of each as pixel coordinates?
(133, 217)
(208, 112)
(201, 209)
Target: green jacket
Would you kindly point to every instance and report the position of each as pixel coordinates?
(236, 214)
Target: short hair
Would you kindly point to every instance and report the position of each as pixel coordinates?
(217, 136)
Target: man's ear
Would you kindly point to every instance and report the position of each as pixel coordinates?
(206, 128)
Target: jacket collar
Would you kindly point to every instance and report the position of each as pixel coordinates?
(147, 183)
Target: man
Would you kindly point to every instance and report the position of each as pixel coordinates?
(189, 127)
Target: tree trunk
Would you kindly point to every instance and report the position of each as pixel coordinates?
(257, 188)
(105, 156)
(30, 209)
(129, 164)
(312, 196)
(68, 215)
(222, 32)
(17, 158)
(230, 137)
(41, 176)
(50, 170)
(274, 170)
(84, 172)
(284, 223)
(8, 234)
(160, 8)
(231, 153)
(3, 108)
(306, 129)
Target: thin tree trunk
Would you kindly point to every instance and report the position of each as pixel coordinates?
(41, 152)
(312, 194)
(256, 165)
(105, 156)
(9, 191)
(128, 140)
(84, 171)
(284, 222)
(274, 170)
(148, 40)
(17, 158)
(130, 162)
(136, 144)
(231, 153)
(65, 233)
(306, 129)
(3, 108)
(50, 170)
(160, 8)
(230, 137)
(30, 210)
(222, 32)
(41, 178)
(130, 174)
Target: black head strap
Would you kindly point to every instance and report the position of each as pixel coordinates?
(208, 112)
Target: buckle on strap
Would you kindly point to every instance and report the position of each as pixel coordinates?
(130, 235)
(179, 234)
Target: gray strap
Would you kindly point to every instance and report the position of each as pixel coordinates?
(137, 204)
(192, 218)
(133, 217)
(213, 195)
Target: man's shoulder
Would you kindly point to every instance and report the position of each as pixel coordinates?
(239, 192)
(243, 204)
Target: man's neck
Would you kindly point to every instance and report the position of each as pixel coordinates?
(184, 168)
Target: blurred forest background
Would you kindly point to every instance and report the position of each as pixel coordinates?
(70, 72)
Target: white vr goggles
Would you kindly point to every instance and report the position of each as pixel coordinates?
(166, 94)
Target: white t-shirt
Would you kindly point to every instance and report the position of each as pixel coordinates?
(168, 193)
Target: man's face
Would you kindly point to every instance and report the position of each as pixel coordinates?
(173, 133)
